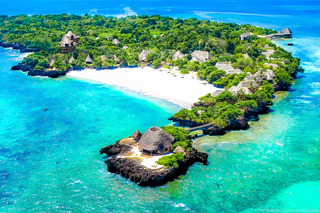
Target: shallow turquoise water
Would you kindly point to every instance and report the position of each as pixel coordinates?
(49, 160)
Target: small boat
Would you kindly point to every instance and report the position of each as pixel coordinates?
(290, 44)
(45, 109)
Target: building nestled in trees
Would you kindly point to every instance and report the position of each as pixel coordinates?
(143, 55)
(201, 56)
(245, 36)
(178, 55)
(89, 60)
(68, 42)
(155, 141)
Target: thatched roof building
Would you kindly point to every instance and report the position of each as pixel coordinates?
(179, 149)
(201, 56)
(116, 59)
(125, 47)
(217, 92)
(136, 134)
(155, 140)
(272, 65)
(267, 53)
(51, 62)
(103, 58)
(71, 60)
(68, 42)
(178, 55)
(267, 75)
(115, 41)
(236, 89)
(225, 66)
(245, 36)
(286, 32)
(143, 55)
(89, 60)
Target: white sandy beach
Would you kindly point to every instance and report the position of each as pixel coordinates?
(183, 90)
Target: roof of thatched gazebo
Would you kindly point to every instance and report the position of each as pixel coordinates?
(136, 134)
(178, 55)
(115, 41)
(201, 56)
(103, 58)
(88, 59)
(154, 139)
(143, 55)
(71, 60)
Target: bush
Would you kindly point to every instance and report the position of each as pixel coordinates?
(171, 160)
(179, 134)
(185, 144)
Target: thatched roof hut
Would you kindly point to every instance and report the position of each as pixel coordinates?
(51, 62)
(68, 42)
(179, 149)
(115, 41)
(286, 32)
(89, 60)
(71, 60)
(178, 55)
(217, 92)
(225, 66)
(244, 36)
(136, 134)
(201, 56)
(143, 55)
(116, 59)
(272, 65)
(103, 58)
(236, 89)
(155, 140)
(267, 53)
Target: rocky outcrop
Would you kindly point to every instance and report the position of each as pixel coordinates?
(185, 122)
(30, 71)
(20, 47)
(132, 169)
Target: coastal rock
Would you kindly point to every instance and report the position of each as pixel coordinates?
(115, 149)
(22, 48)
(133, 170)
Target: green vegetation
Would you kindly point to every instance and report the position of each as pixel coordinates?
(164, 36)
(171, 160)
(180, 136)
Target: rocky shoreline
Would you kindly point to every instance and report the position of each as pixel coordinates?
(132, 169)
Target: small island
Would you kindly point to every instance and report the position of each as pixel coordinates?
(240, 62)
(153, 158)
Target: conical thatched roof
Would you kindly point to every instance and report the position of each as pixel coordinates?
(51, 62)
(116, 58)
(143, 55)
(136, 134)
(179, 149)
(71, 60)
(155, 139)
(115, 41)
(286, 32)
(88, 59)
(103, 57)
(178, 55)
(201, 56)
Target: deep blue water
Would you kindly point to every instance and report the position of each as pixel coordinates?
(49, 160)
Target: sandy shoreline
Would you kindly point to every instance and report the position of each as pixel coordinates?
(182, 90)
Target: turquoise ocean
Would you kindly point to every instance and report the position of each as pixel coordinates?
(50, 162)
